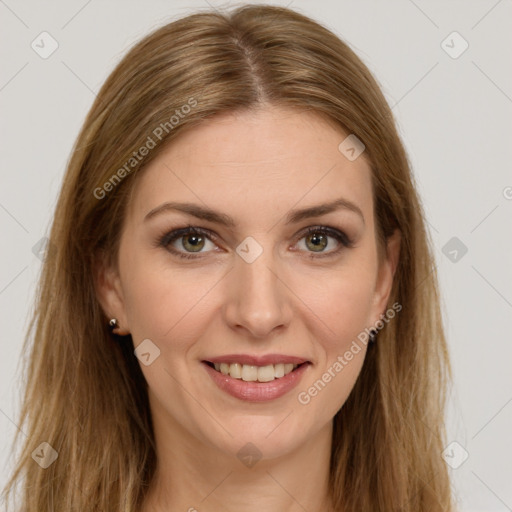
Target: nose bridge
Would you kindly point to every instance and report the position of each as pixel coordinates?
(257, 299)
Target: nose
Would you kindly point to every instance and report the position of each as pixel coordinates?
(258, 300)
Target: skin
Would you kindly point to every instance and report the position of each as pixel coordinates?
(255, 167)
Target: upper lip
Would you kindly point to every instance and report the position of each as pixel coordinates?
(262, 360)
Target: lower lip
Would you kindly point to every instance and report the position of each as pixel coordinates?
(256, 391)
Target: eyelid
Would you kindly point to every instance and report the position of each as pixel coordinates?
(175, 234)
(330, 231)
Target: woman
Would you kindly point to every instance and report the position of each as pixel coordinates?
(238, 310)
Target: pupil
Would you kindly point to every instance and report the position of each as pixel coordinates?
(194, 241)
(318, 241)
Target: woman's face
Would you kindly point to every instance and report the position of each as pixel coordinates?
(253, 286)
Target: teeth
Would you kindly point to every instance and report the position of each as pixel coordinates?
(251, 373)
(235, 370)
(266, 373)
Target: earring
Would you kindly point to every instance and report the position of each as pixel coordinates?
(372, 337)
(113, 324)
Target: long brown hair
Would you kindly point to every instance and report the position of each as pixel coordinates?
(85, 394)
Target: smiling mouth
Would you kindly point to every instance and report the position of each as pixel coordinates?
(252, 373)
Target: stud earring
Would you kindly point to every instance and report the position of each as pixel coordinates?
(372, 337)
(113, 324)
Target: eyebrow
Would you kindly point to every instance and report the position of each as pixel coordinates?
(294, 216)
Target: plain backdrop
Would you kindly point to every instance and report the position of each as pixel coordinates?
(445, 69)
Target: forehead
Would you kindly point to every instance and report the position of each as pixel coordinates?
(262, 161)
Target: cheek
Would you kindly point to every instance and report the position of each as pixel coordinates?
(164, 303)
(343, 300)
(343, 303)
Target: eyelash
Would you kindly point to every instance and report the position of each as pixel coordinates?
(171, 236)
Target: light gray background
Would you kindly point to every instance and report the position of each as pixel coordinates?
(454, 115)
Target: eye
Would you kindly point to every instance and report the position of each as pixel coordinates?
(189, 239)
(189, 242)
(316, 240)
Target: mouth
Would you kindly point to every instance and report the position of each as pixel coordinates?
(240, 376)
(255, 373)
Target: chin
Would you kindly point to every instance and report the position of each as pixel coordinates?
(261, 437)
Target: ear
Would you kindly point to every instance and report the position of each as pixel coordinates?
(386, 273)
(107, 284)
